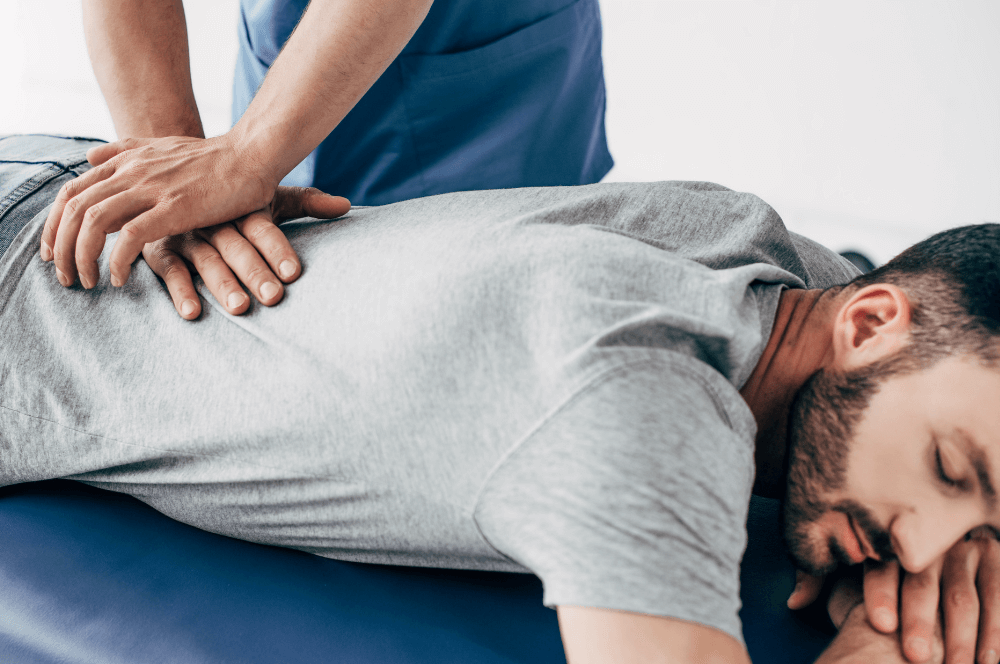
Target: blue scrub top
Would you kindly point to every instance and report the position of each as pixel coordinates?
(487, 94)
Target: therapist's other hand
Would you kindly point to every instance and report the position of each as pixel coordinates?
(964, 586)
(251, 251)
(147, 189)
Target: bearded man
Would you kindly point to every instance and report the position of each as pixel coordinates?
(586, 383)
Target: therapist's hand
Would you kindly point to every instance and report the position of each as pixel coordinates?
(147, 189)
(251, 250)
(964, 586)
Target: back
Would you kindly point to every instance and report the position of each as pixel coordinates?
(436, 355)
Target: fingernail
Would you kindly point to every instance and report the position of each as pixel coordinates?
(286, 269)
(63, 279)
(46, 252)
(85, 281)
(235, 300)
(116, 282)
(884, 619)
(187, 307)
(920, 648)
(268, 290)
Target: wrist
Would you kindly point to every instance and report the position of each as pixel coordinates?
(245, 168)
(254, 148)
(138, 121)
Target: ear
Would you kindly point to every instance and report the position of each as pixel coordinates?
(873, 324)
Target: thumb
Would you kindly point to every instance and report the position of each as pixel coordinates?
(807, 589)
(100, 154)
(295, 202)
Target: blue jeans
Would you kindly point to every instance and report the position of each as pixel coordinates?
(90, 575)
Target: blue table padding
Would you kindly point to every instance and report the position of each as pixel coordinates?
(93, 576)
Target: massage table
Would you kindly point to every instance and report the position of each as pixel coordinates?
(91, 576)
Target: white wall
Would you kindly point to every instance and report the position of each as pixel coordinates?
(865, 123)
(868, 122)
(47, 86)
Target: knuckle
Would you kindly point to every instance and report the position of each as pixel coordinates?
(68, 190)
(73, 205)
(174, 269)
(962, 600)
(128, 233)
(94, 214)
(212, 261)
(126, 165)
(231, 245)
(255, 274)
(161, 251)
(228, 285)
(258, 231)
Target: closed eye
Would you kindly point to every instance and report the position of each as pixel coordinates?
(942, 475)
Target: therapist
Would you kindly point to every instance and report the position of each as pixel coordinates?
(375, 100)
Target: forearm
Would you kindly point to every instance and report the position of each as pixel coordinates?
(336, 53)
(139, 51)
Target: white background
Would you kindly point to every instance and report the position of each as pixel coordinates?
(867, 124)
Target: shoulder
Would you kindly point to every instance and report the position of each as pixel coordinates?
(824, 267)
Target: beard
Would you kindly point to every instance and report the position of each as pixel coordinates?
(822, 420)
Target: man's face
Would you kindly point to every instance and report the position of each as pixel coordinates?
(892, 467)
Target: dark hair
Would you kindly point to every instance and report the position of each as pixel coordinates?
(952, 280)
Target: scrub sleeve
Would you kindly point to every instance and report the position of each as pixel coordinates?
(486, 95)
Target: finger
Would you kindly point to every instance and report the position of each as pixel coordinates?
(295, 202)
(86, 208)
(150, 226)
(219, 279)
(101, 153)
(169, 266)
(881, 585)
(960, 602)
(988, 584)
(918, 608)
(102, 218)
(270, 243)
(66, 193)
(807, 589)
(243, 259)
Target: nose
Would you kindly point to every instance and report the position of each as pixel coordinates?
(919, 542)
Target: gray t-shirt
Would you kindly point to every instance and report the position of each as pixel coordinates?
(536, 379)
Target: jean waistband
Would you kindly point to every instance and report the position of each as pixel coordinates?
(27, 163)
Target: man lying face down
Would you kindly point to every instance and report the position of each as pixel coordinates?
(582, 382)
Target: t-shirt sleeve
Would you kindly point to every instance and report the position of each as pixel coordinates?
(633, 495)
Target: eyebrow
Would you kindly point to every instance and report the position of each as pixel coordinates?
(977, 456)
